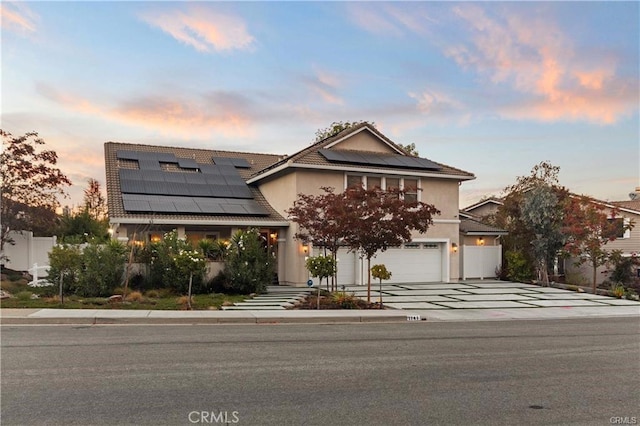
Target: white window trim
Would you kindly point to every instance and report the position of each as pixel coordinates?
(627, 233)
(383, 181)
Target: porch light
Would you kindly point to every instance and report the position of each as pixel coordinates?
(480, 241)
(273, 236)
(305, 248)
(454, 247)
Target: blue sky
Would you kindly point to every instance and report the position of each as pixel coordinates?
(489, 87)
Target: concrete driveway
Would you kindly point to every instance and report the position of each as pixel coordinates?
(491, 299)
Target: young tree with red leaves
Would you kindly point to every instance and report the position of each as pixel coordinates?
(588, 229)
(320, 220)
(29, 178)
(375, 220)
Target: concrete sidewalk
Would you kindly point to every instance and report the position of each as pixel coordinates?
(107, 316)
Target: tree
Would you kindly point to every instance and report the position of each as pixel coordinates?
(375, 220)
(542, 214)
(319, 220)
(83, 227)
(190, 263)
(94, 202)
(337, 127)
(380, 272)
(321, 267)
(30, 179)
(589, 229)
(249, 266)
(410, 149)
(521, 231)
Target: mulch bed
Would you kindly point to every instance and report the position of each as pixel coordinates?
(328, 302)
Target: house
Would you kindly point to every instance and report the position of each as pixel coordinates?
(627, 240)
(210, 194)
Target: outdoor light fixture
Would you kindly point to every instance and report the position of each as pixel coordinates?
(454, 247)
(305, 248)
(480, 241)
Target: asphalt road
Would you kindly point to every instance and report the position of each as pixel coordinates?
(579, 372)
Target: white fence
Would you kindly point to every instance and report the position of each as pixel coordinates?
(480, 261)
(27, 250)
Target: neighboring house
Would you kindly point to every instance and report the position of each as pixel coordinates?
(628, 241)
(207, 193)
(484, 209)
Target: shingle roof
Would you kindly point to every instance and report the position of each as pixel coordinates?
(628, 204)
(201, 156)
(311, 156)
(470, 226)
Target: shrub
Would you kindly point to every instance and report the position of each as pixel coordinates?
(345, 301)
(518, 268)
(134, 296)
(103, 266)
(24, 296)
(249, 267)
(66, 260)
(618, 291)
(152, 294)
(165, 272)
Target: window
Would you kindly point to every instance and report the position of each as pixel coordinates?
(374, 182)
(411, 190)
(412, 246)
(617, 228)
(353, 180)
(392, 183)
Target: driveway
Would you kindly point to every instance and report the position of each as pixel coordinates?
(491, 299)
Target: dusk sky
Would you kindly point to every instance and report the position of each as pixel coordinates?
(492, 88)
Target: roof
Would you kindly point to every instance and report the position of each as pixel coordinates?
(490, 200)
(201, 156)
(474, 227)
(310, 157)
(629, 204)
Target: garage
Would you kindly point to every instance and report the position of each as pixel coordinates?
(415, 262)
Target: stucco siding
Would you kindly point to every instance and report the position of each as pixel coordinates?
(364, 141)
(444, 194)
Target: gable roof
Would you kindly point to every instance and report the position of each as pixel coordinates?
(628, 205)
(259, 213)
(470, 226)
(490, 200)
(312, 158)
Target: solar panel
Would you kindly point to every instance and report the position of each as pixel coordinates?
(194, 178)
(132, 186)
(234, 209)
(158, 188)
(239, 163)
(162, 206)
(374, 159)
(200, 190)
(136, 205)
(176, 177)
(187, 163)
(153, 175)
(127, 155)
(149, 164)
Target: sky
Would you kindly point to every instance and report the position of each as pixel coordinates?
(492, 88)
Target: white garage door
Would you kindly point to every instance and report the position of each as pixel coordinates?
(412, 263)
(347, 264)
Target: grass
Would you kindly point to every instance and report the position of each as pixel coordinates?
(153, 299)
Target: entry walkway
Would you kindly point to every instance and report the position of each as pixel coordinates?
(491, 299)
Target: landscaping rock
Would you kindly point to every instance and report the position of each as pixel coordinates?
(115, 298)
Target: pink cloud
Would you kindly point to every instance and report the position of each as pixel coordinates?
(17, 17)
(203, 29)
(390, 19)
(325, 85)
(171, 115)
(533, 56)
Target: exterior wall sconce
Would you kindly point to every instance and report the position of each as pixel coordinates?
(454, 247)
(274, 237)
(305, 248)
(480, 241)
